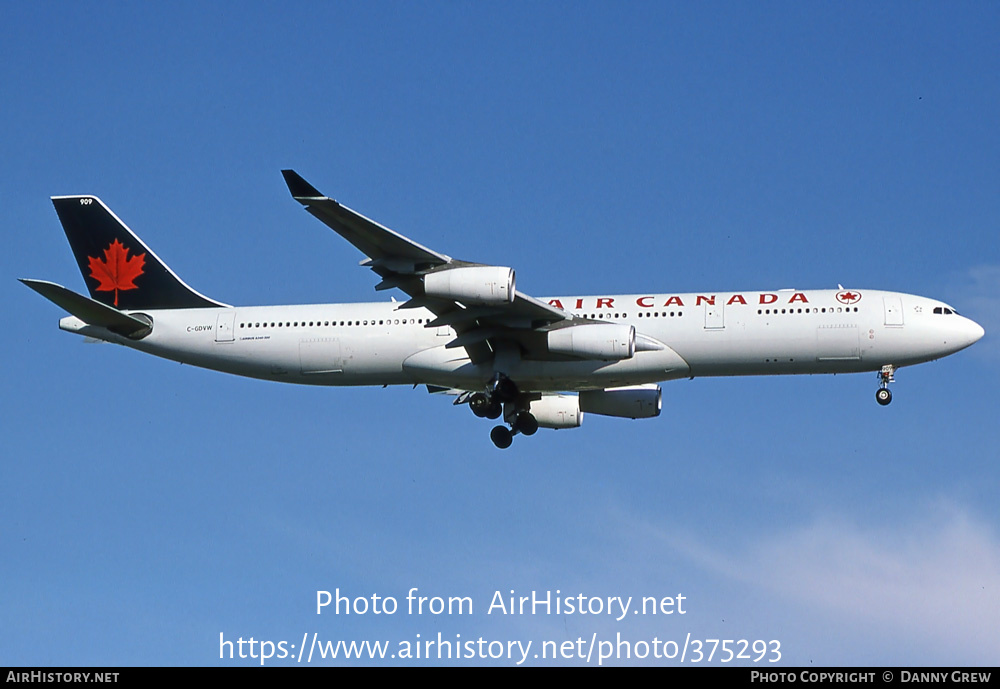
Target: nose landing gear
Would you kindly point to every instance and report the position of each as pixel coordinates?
(883, 395)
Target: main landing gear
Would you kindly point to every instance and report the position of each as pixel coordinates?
(503, 397)
(883, 395)
(522, 422)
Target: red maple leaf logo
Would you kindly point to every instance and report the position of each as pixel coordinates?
(848, 297)
(116, 271)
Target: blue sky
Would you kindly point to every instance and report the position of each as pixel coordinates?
(650, 147)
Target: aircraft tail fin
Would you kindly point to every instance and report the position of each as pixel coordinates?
(119, 269)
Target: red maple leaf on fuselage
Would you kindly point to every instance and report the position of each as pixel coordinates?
(116, 271)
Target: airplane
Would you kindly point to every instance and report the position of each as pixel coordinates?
(465, 329)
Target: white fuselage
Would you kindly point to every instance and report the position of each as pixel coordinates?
(705, 334)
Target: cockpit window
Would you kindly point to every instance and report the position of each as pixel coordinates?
(944, 310)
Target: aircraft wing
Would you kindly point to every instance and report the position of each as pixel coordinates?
(378, 243)
(405, 264)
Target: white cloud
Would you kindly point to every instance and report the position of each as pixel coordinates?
(933, 582)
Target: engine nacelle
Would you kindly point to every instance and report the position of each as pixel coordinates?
(472, 285)
(557, 411)
(636, 402)
(605, 342)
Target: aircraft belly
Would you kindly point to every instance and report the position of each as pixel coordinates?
(453, 368)
(769, 348)
(368, 359)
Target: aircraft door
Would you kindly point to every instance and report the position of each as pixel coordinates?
(714, 316)
(321, 355)
(838, 342)
(224, 326)
(893, 310)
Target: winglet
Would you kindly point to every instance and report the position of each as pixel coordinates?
(300, 188)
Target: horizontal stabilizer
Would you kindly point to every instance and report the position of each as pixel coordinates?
(87, 310)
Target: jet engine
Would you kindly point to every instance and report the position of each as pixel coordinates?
(557, 411)
(605, 342)
(472, 284)
(636, 402)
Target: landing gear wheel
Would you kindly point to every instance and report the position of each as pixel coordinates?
(885, 376)
(526, 423)
(479, 404)
(501, 437)
(494, 410)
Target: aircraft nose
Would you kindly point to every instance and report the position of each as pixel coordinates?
(976, 331)
(972, 332)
